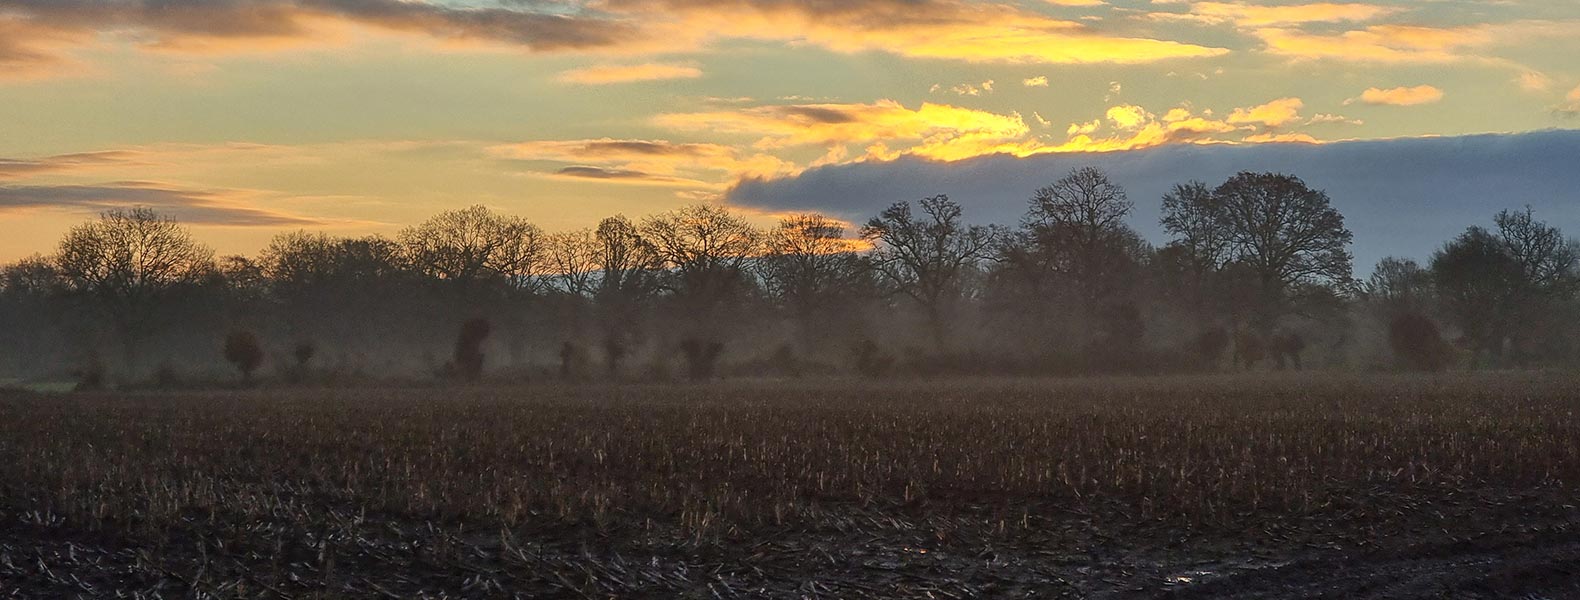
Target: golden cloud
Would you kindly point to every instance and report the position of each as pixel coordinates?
(647, 161)
(605, 74)
(1401, 96)
(1276, 113)
(36, 34)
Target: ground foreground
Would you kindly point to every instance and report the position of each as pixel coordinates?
(1214, 487)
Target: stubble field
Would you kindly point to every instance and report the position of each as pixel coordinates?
(1267, 486)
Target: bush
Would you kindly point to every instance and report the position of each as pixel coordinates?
(1210, 346)
(614, 354)
(1417, 343)
(469, 348)
(243, 351)
(702, 358)
(870, 360)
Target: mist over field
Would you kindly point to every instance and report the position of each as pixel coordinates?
(790, 299)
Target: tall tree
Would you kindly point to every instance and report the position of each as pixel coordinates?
(1075, 229)
(127, 261)
(810, 266)
(703, 251)
(1501, 287)
(1285, 235)
(926, 257)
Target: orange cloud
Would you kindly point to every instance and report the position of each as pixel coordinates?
(1571, 104)
(1273, 114)
(832, 124)
(647, 161)
(38, 33)
(604, 74)
(1401, 96)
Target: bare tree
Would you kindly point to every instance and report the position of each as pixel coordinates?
(474, 245)
(1501, 288)
(1077, 229)
(703, 252)
(572, 262)
(927, 257)
(1399, 285)
(809, 265)
(126, 260)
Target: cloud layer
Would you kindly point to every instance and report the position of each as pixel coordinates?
(1404, 196)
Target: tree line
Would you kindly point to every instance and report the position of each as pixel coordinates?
(1256, 273)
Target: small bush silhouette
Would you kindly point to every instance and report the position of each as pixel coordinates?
(614, 352)
(872, 361)
(244, 352)
(702, 358)
(573, 362)
(1417, 343)
(469, 348)
(1249, 349)
(1210, 346)
(1286, 348)
(303, 353)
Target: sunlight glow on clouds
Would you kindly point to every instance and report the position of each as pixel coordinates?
(1401, 96)
(339, 113)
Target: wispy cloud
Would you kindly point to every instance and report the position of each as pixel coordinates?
(206, 207)
(1038, 81)
(14, 168)
(37, 33)
(606, 74)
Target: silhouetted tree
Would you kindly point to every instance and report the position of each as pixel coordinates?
(243, 351)
(1285, 235)
(469, 348)
(1498, 287)
(1399, 285)
(127, 261)
(1075, 227)
(703, 250)
(927, 258)
(810, 267)
(474, 245)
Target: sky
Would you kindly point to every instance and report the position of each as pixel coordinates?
(246, 118)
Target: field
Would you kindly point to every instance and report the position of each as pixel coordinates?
(1298, 485)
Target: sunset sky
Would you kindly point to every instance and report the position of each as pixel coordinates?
(247, 118)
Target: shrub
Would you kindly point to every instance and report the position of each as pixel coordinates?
(303, 353)
(702, 358)
(243, 351)
(872, 361)
(1210, 346)
(1417, 343)
(573, 362)
(614, 354)
(469, 348)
